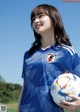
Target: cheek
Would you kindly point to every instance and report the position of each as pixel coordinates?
(48, 25)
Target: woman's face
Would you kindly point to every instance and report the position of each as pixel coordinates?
(42, 23)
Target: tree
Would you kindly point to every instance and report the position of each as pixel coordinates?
(1, 79)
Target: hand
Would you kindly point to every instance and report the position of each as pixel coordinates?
(71, 106)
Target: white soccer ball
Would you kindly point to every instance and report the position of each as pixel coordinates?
(64, 85)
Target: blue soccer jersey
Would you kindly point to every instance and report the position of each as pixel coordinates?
(39, 72)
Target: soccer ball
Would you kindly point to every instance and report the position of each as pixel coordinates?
(64, 85)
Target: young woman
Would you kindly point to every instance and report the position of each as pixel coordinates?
(50, 55)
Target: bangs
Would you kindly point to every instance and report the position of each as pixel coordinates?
(39, 10)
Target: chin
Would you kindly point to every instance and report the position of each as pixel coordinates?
(40, 32)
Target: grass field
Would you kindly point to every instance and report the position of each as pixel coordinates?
(13, 108)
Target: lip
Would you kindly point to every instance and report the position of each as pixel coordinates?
(37, 26)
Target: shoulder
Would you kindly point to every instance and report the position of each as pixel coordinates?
(26, 55)
(68, 49)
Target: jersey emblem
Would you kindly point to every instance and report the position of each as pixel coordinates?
(51, 58)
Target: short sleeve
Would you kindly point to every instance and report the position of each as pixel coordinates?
(76, 64)
(26, 55)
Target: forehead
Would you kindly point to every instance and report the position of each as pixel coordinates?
(38, 11)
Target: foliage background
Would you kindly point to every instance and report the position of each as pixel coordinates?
(9, 92)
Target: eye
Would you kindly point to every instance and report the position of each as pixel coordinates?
(41, 15)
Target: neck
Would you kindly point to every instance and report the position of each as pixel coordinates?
(48, 40)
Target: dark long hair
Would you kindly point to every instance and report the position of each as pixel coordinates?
(61, 36)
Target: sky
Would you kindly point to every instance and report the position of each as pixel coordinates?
(16, 35)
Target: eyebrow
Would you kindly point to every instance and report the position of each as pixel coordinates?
(38, 13)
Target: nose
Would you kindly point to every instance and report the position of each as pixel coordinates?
(36, 20)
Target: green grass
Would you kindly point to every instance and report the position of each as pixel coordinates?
(11, 110)
(12, 107)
